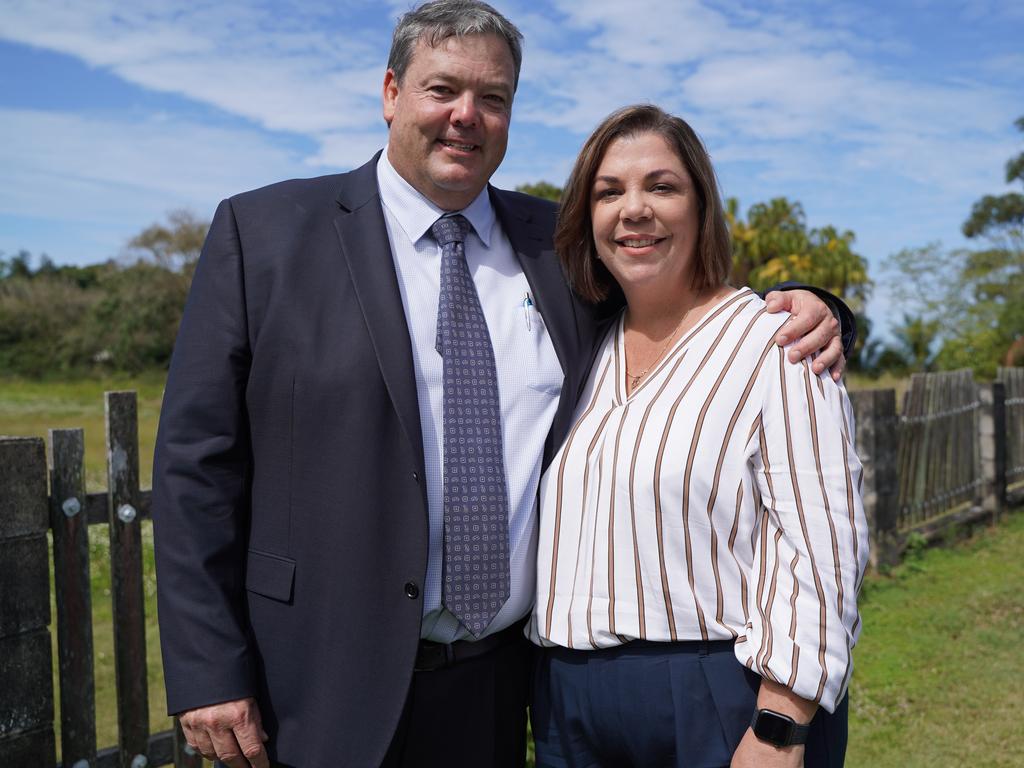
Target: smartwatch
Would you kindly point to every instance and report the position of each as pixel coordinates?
(778, 729)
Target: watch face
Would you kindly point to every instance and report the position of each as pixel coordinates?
(773, 728)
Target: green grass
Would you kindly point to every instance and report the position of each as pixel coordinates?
(30, 408)
(938, 678)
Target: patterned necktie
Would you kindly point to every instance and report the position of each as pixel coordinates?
(476, 561)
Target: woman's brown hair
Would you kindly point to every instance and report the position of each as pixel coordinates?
(574, 240)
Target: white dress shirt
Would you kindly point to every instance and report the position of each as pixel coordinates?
(529, 379)
(719, 500)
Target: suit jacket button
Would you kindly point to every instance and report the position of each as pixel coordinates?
(411, 590)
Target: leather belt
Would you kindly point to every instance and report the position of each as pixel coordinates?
(432, 656)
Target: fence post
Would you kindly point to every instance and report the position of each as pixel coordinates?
(992, 447)
(26, 672)
(68, 519)
(126, 590)
(875, 418)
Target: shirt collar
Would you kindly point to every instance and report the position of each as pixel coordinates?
(415, 214)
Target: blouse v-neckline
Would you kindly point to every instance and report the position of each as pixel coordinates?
(622, 396)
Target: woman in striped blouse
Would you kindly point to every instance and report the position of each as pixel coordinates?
(702, 538)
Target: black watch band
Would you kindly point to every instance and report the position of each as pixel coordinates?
(777, 728)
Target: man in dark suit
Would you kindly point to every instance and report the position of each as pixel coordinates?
(299, 498)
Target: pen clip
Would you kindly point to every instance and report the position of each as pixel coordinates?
(527, 306)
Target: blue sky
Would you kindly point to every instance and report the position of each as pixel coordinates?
(887, 118)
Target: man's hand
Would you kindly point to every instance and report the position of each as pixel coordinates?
(813, 327)
(230, 732)
(754, 753)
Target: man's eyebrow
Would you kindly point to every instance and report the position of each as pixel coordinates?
(444, 77)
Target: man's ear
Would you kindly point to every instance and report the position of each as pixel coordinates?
(389, 95)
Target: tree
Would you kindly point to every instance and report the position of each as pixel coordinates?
(994, 276)
(542, 189)
(1000, 218)
(975, 297)
(915, 344)
(133, 323)
(176, 245)
(774, 245)
(19, 265)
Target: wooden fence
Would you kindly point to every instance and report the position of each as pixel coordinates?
(27, 512)
(954, 456)
(950, 458)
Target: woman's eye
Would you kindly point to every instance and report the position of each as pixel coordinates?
(663, 188)
(602, 194)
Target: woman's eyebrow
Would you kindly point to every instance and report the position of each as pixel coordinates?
(657, 173)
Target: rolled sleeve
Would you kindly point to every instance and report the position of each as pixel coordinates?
(810, 543)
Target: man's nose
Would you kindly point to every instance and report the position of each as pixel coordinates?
(464, 111)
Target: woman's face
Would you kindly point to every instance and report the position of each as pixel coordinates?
(644, 210)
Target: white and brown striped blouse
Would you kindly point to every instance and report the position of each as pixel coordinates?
(719, 500)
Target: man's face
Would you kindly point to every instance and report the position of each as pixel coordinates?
(449, 117)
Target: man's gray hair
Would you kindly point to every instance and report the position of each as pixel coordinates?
(436, 21)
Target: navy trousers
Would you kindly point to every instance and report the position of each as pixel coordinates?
(656, 705)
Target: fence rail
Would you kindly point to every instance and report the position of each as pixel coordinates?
(955, 455)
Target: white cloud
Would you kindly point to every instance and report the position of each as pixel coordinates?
(796, 91)
(280, 67)
(103, 169)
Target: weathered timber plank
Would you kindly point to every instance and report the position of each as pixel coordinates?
(126, 576)
(27, 683)
(74, 603)
(24, 584)
(26, 677)
(28, 749)
(875, 424)
(23, 508)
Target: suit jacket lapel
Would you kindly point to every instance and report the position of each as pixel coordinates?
(363, 235)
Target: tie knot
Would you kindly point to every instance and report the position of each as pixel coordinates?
(450, 229)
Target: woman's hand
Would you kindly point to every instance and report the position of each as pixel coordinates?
(754, 753)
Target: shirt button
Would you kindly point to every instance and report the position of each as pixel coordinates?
(411, 590)
(416, 477)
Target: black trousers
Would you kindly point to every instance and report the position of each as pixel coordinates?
(468, 715)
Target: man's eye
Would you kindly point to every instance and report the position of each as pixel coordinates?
(495, 99)
(440, 90)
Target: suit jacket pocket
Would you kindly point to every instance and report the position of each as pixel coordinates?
(270, 575)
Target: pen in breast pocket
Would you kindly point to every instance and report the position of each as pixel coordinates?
(527, 306)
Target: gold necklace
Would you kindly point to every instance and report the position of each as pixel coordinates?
(632, 380)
